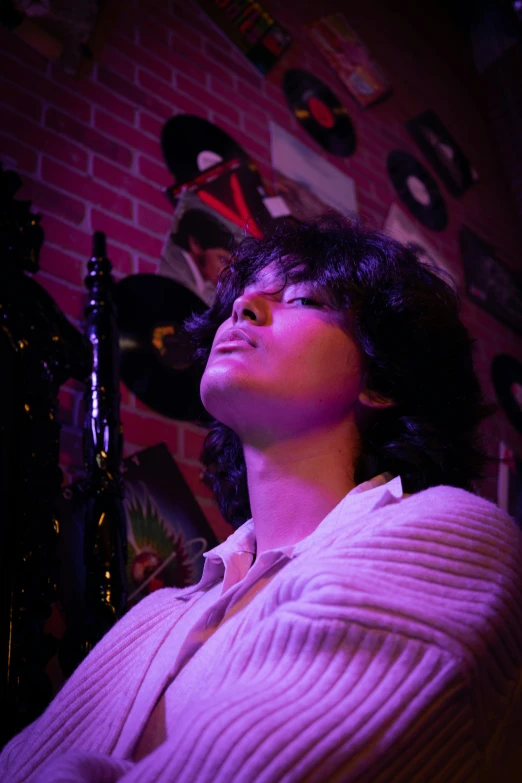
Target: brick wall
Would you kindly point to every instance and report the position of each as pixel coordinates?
(90, 158)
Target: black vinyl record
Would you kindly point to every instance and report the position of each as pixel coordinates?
(417, 190)
(191, 145)
(442, 151)
(506, 373)
(155, 355)
(319, 112)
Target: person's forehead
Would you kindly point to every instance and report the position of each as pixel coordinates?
(275, 275)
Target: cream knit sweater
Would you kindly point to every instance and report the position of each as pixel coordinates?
(386, 646)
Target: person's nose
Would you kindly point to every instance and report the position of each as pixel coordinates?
(250, 308)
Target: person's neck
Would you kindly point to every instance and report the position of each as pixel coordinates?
(293, 484)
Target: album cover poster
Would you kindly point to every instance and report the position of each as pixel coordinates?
(251, 29)
(399, 226)
(309, 184)
(349, 58)
(167, 532)
(509, 483)
(213, 213)
(488, 283)
(442, 151)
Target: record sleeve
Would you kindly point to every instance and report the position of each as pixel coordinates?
(349, 58)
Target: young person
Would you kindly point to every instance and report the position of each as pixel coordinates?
(363, 622)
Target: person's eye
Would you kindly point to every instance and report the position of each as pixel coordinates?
(306, 301)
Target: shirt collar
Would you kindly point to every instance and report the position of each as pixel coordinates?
(238, 550)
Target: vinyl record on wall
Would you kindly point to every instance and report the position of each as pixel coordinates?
(417, 189)
(191, 145)
(319, 111)
(155, 355)
(506, 373)
(442, 152)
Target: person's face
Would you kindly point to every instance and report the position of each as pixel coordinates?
(213, 261)
(292, 366)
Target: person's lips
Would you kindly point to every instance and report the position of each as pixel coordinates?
(235, 336)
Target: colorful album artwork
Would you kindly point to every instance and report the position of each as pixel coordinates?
(309, 184)
(489, 284)
(349, 58)
(213, 212)
(400, 226)
(442, 152)
(167, 532)
(251, 29)
(509, 482)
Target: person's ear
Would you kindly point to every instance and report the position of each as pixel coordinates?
(194, 247)
(372, 399)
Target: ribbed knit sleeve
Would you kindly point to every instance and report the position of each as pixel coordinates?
(89, 711)
(391, 654)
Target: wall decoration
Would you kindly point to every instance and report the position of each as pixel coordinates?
(404, 230)
(155, 355)
(167, 532)
(488, 283)
(442, 152)
(251, 29)
(509, 483)
(191, 145)
(319, 111)
(417, 190)
(506, 374)
(213, 211)
(349, 58)
(309, 177)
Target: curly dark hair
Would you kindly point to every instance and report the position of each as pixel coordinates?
(415, 351)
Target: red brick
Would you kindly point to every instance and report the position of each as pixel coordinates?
(120, 259)
(112, 127)
(192, 476)
(193, 444)
(136, 95)
(221, 528)
(10, 42)
(70, 300)
(131, 185)
(212, 102)
(222, 52)
(147, 430)
(154, 221)
(51, 200)
(126, 234)
(46, 88)
(90, 138)
(71, 450)
(27, 132)
(156, 31)
(114, 58)
(95, 93)
(66, 236)
(62, 265)
(150, 124)
(68, 405)
(139, 55)
(147, 267)
(155, 173)
(86, 188)
(166, 54)
(24, 158)
(18, 99)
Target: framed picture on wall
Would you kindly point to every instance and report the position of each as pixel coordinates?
(489, 284)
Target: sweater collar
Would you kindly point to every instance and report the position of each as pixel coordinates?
(237, 552)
